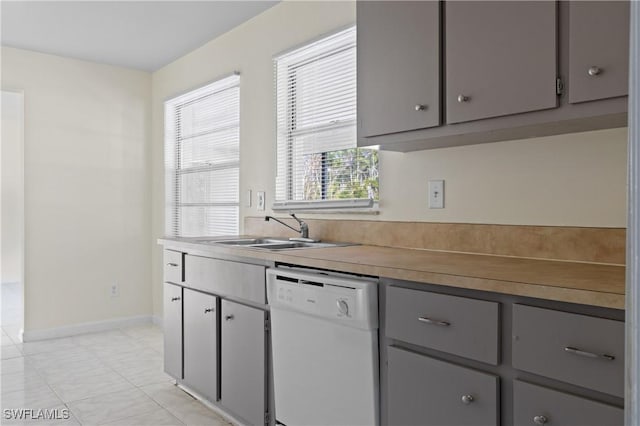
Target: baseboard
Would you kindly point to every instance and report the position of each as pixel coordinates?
(157, 320)
(87, 327)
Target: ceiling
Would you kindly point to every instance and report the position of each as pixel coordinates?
(144, 35)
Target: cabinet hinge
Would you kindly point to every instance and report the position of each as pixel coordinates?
(267, 417)
(267, 325)
(559, 86)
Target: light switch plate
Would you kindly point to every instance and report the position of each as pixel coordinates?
(436, 194)
(260, 202)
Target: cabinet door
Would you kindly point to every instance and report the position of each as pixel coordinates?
(598, 50)
(172, 327)
(537, 405)
(243, 361)
(200, 343)
(500, 58)
(398, 66)
(425, 391)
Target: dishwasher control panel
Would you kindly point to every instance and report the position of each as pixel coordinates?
(349, 300)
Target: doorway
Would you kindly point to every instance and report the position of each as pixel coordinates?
(12, 218)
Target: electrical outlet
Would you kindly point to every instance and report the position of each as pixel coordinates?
(260, 200)
(436, 194)
(115, 290)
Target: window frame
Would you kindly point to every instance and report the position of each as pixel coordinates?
(173, 224)
(292, 131)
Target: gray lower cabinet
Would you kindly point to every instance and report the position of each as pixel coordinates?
(500, 58)
(598, 50)
(458, 325)
(426, 391)
(243, 366)
(579, 349)
(172, 325)
(398, 66)
(536, 405)
(200, 343)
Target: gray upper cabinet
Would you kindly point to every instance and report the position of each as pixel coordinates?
(598, 50)
(243, 361)
(398, 66)
(172, 327)
(501, 58)
(200, 343)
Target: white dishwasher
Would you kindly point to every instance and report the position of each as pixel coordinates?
(324, 330)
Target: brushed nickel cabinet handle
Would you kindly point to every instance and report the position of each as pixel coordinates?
(540, 420)
(175, 299)
(420, 107)
(463, 98)
(434, 321)
(467, 399)
(207, 310)
(587, 354)
(593, 71)
(175, 265)
(229, 317)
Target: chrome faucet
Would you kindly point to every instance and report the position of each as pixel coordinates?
(304, 228)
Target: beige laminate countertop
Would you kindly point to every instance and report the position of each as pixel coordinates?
(584, 283)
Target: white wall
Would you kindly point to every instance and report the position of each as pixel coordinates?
(87, 203)
(574, 180)
(12, 190)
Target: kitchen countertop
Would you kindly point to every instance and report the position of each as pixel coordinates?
(574, 282)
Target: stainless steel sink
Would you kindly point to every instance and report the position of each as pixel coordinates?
(275, 243)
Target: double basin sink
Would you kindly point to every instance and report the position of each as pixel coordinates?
(273, 243)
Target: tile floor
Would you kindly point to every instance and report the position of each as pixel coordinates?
(113, 377)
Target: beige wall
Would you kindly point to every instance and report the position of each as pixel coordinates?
(575, 180)
(87, 203)
(12, 191)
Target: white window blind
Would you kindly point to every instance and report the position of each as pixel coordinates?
(202, 160)
(317, 158)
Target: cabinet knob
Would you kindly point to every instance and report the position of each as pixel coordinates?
(175, 299)
(540, 420)
(463, 98)
(593, 71)
(207, 310)
(420, 107)
(467, 399)
(228, 317)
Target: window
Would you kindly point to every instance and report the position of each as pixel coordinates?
(202, 160)
(318, 162)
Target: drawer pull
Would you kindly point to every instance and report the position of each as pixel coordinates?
(434, 322)
(175, 299)
(540, 420)
(228, 317)
(175, 265)
(577, 351)
(467, 399)
(207, 310)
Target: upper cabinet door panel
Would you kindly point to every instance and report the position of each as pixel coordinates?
(398, 66)
(598, 50)
(500, 58)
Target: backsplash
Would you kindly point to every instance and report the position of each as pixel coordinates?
(601, 245)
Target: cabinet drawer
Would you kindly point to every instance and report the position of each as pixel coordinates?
(173, 267)
(458, 325)
(537, 405)
(578, 349)
(425, 391)
(226, 278)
